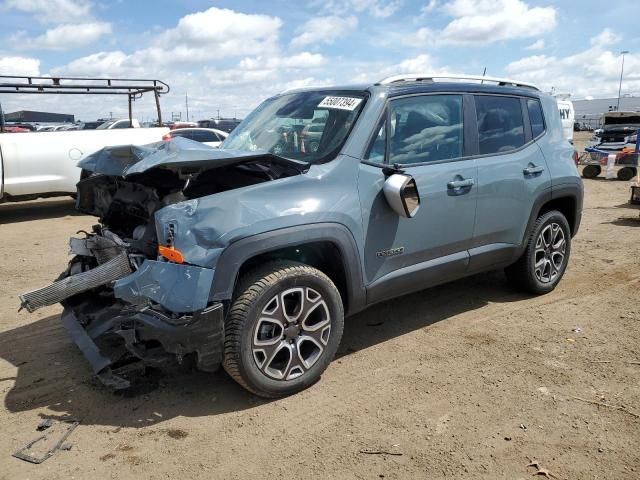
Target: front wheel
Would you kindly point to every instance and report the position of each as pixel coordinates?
(545, 258)
(283, 329)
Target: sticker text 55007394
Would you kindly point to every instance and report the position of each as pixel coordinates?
(340, 103)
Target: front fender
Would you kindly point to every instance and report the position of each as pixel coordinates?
(236, 254)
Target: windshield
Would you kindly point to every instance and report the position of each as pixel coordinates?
(303, 126)
(106, 125)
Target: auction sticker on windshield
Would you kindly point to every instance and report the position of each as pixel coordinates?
(340, 103)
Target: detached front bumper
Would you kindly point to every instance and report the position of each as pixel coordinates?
(155, 310)
(201, 334)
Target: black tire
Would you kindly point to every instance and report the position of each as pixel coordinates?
(626, 173)
(591, 171)
(259, 295)
(524, 274)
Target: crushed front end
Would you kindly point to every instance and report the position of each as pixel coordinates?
(129, 295)
(123, 304)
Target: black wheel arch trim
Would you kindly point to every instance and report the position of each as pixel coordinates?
(565, 190)
(575, 191)
(236, 254)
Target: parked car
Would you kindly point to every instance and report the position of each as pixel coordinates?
(208, 136)
(91, 125)
(224, 124)
(618, 131)
(249, 258)
(44, 163)
(117, 124)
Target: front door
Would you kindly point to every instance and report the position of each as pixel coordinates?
(424, 137)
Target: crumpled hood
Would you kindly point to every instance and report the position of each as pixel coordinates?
(174, 154)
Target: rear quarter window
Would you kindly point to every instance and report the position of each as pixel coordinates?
(536, 117)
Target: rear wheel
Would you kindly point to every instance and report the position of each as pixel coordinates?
(626, 173)
(545, 258)
(591, 171)
(283, 329)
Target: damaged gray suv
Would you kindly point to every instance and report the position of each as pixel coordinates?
(321, 203)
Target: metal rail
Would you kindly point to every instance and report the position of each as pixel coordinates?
(432, 77)
(132, 87)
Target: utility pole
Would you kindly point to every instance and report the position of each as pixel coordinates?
(218, 114)
(624, 52)
(186, 104)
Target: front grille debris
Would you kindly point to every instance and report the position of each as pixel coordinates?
(108, 272)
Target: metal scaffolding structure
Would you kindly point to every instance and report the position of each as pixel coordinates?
(133, 88)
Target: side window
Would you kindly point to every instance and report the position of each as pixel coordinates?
(376, 150)
(178, 133)
(124, 124)
(500, 123)
(426, 129)
(204, 136)
(535, 117)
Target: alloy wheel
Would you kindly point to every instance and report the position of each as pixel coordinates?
(550, 253)
(291, 333)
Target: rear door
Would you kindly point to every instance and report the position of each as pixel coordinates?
(426, 139)
(512, 173)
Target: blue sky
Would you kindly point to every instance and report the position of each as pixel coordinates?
(230, 55)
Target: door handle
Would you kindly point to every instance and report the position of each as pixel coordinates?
(467, 182)
(532, 170)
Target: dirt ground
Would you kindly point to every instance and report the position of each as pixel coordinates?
(468, 380)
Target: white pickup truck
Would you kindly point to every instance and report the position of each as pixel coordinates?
(44, 164)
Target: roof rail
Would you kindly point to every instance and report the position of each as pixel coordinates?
(431, 77)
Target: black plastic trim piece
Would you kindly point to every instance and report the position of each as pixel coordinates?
(524, 110)
(418, 277)
(236, 254)
(491, 256)
(543, 198)
(576, 192)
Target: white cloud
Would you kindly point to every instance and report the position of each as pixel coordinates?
(495, 20)
(376, 8)
(591, 72)
(481, 22)
(606, 38)
(374, 72)
(51, 11)
(113, 64)
(537, 45)
(429, 7)
(218, 33)
(324, 30)
(63, 37)
(299, 61)
(12, 65)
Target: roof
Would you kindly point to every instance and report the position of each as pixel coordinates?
(407, 88)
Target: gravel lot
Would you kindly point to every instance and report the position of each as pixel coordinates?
(467, 380)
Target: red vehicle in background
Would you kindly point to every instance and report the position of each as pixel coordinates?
(178, 125)
(12, 129)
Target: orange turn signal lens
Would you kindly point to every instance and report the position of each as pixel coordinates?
(171, 254)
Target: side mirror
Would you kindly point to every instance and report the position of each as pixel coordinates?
(401, 193)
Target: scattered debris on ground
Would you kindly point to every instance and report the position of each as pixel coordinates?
(40, 449)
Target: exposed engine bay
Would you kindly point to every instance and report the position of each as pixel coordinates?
(126, 205)
(119, 285)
